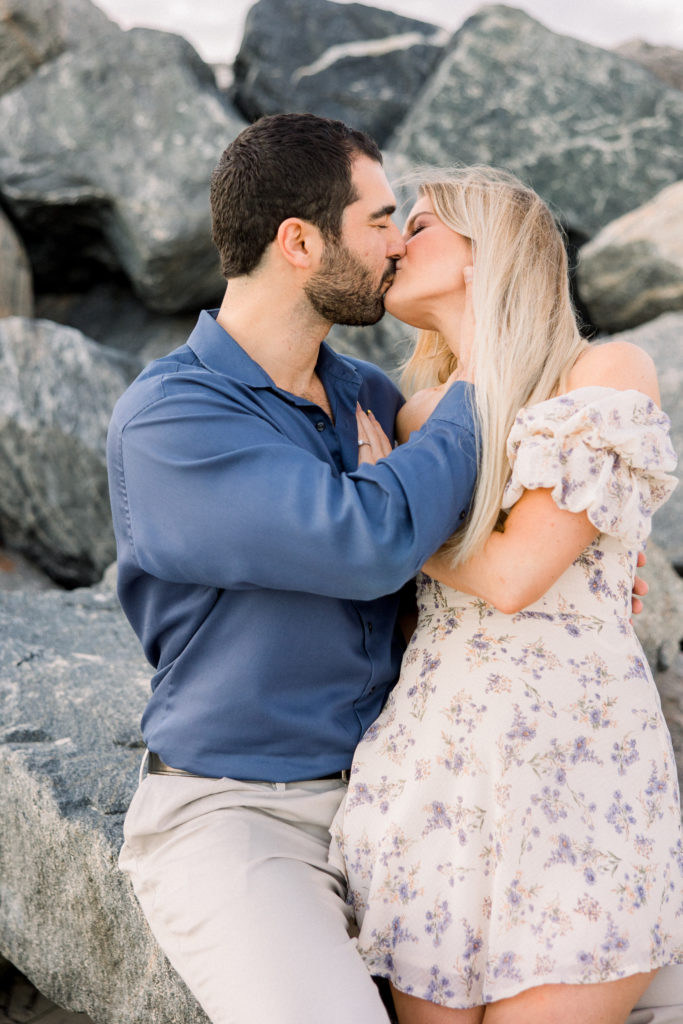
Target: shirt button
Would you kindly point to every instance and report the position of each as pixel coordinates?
(320, 425)
(369, 627)
(462, 515)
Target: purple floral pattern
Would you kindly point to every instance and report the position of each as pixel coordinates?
(603, 451)
(513, 816)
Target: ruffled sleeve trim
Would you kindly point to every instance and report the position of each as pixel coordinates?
(603, 451)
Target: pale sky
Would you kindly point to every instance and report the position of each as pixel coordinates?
(215, 28)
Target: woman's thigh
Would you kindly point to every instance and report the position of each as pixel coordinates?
(603, 1003)
(411, 1010)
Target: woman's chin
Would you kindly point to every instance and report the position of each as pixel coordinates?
(400, 310)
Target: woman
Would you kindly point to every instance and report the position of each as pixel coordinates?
(511, 832)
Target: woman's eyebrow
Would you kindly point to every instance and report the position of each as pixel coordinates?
(420, 213)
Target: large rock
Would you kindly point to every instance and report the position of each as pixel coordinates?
(111, 314)
(594, 133)
(16, 280)
(633, 269)
(661, 339)
(73, 685)
(35, 31)
(348, 61)
(665, 62)
(57, 391)
(660, 624)
(105, 159)
(17, 573)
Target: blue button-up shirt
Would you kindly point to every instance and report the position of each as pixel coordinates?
(255, 557)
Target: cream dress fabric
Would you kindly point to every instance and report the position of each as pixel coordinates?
(513, 817)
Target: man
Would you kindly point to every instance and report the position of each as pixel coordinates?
(255, 559)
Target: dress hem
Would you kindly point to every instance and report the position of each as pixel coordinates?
(512, 991)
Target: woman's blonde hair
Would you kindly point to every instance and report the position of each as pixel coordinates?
(526, 336)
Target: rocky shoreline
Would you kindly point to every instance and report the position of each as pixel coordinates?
(109, 141)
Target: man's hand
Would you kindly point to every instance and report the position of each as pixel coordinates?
(640, 587)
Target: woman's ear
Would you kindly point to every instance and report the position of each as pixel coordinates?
(299, 242)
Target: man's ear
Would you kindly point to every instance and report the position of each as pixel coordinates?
(299, 242)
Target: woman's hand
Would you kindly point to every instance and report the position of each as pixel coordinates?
(373, 443)
(640, 587)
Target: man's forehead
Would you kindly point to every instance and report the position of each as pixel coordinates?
(372, 186)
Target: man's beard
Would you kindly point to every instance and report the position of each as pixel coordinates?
(343, 291)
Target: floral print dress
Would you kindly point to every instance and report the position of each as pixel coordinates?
(512, 817)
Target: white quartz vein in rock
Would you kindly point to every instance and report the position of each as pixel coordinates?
(370, 48)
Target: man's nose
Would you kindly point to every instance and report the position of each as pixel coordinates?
(396, 246)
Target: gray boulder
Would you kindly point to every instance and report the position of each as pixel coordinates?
(111, 314)
(666, 62)
(594, 133)
(73, 687)
(105, 160)
(17, 573)
(57, 391)
(16, 281)
(347, 61)
(660, 624)
(633, 269)
(35, 31)
(661, 339)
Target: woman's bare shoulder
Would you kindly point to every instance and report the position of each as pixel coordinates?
(615, 364)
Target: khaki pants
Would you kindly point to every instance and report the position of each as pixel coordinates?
(234, 880)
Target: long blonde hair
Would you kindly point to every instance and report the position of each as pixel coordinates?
(526, 336)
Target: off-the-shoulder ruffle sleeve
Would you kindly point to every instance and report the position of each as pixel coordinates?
(602, 451)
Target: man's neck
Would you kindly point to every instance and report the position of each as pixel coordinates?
(281, 334)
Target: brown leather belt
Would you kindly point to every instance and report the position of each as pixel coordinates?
(155, 766)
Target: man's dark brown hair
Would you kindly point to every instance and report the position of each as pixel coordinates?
(285, 165)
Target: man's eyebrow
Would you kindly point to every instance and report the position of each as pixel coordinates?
(386, 211)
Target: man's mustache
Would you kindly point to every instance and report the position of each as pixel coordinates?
(389, 273)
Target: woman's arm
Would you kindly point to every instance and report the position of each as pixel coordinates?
(518, 566)
(540, 541)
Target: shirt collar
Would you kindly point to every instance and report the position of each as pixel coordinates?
(218, 351)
